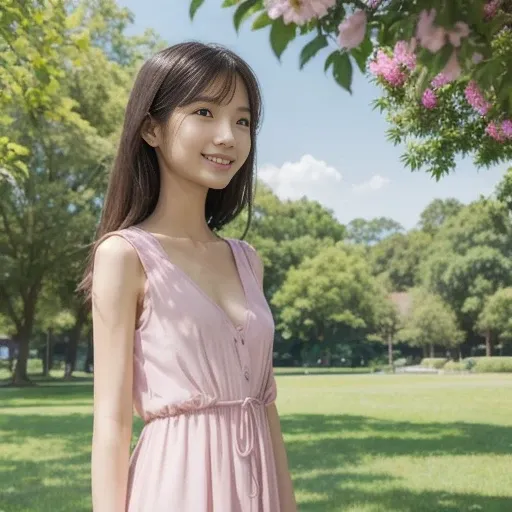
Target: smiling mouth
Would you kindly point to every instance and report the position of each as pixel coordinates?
(222, 162)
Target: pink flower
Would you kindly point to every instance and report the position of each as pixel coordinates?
(439, 80)
(430, 37)
(506, 128)
(352, 30)
(433, 37)
(373, 4)
(476, 99)
(494, 131)
(460, 30)
(298, 11)
(403, 55)
(490, 9)
(388, 68)
(452, 69)
(429, 99)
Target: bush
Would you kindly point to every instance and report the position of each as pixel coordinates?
(500, 364)
(455, 366)
(434, 362)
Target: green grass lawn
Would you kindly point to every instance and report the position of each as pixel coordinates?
(365, 443)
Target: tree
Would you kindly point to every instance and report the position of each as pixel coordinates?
(437, 212)
(368, 232)
(32, 41)
(430, 323)
(413, 44)
(49, 216)
(387, 322)
(495, 318)
(399, 256)
(452, 119)
(331, 293)
(468, 261)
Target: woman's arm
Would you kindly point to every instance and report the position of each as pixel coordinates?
(286, 495)
(115, 289)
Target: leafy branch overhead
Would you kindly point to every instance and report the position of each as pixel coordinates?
(422, 54)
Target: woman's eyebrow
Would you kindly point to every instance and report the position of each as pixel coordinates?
(209, 99)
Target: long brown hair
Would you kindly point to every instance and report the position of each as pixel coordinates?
(173, 78)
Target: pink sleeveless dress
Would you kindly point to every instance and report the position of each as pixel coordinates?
(201, 385)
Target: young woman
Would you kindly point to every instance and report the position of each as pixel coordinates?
(182, 330)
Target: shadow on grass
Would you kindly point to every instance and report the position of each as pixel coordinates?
(40, 381)
(326, 455)
(323, 457)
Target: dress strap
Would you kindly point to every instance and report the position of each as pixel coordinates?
(147, 247)
(252, 260)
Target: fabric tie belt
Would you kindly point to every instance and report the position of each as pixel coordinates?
(245, 430)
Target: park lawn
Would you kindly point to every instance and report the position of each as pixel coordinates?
(356, 443)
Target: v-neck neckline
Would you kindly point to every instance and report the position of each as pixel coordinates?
(240, 329)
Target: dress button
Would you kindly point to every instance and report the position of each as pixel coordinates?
(246, 374)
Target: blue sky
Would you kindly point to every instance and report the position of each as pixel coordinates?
(316, 139)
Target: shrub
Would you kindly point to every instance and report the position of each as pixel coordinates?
(500, 364)
(434, 362)
(455, 366)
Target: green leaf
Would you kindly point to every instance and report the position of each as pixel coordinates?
(330, 60)
(422, 82)
(194, 6)
(242, 12)
(362, 53)
(261, 21)
(280, 36)
(342, 69)
(230, 3)
(312, 48)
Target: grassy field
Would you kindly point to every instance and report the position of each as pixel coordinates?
(356, 443)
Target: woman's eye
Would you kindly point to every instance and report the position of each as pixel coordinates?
(203, 112)
(245, 122)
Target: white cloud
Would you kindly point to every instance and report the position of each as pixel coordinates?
(321, 182)
(375, 183)
(308, 177)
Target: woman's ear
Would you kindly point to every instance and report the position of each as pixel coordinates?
(150, 131)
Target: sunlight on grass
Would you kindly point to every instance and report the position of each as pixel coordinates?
(356, 443)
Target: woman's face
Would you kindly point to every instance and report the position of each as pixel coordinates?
(207, 143)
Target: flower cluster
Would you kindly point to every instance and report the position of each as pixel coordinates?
(373, 4)
(429, 99)
(476, 99)
(298, 11)
(491, 8)
(396, 69)
(500, 131)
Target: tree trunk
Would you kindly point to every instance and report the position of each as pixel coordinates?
(20, 375)
(390, 351)
(81, 315)
(89, 359)
(425, 351)
(488, 343)
(432, 351)
(47, 354)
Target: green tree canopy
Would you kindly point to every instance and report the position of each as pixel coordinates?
(325, 293)
(431, 323)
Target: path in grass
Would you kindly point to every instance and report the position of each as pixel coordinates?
(356, 443)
